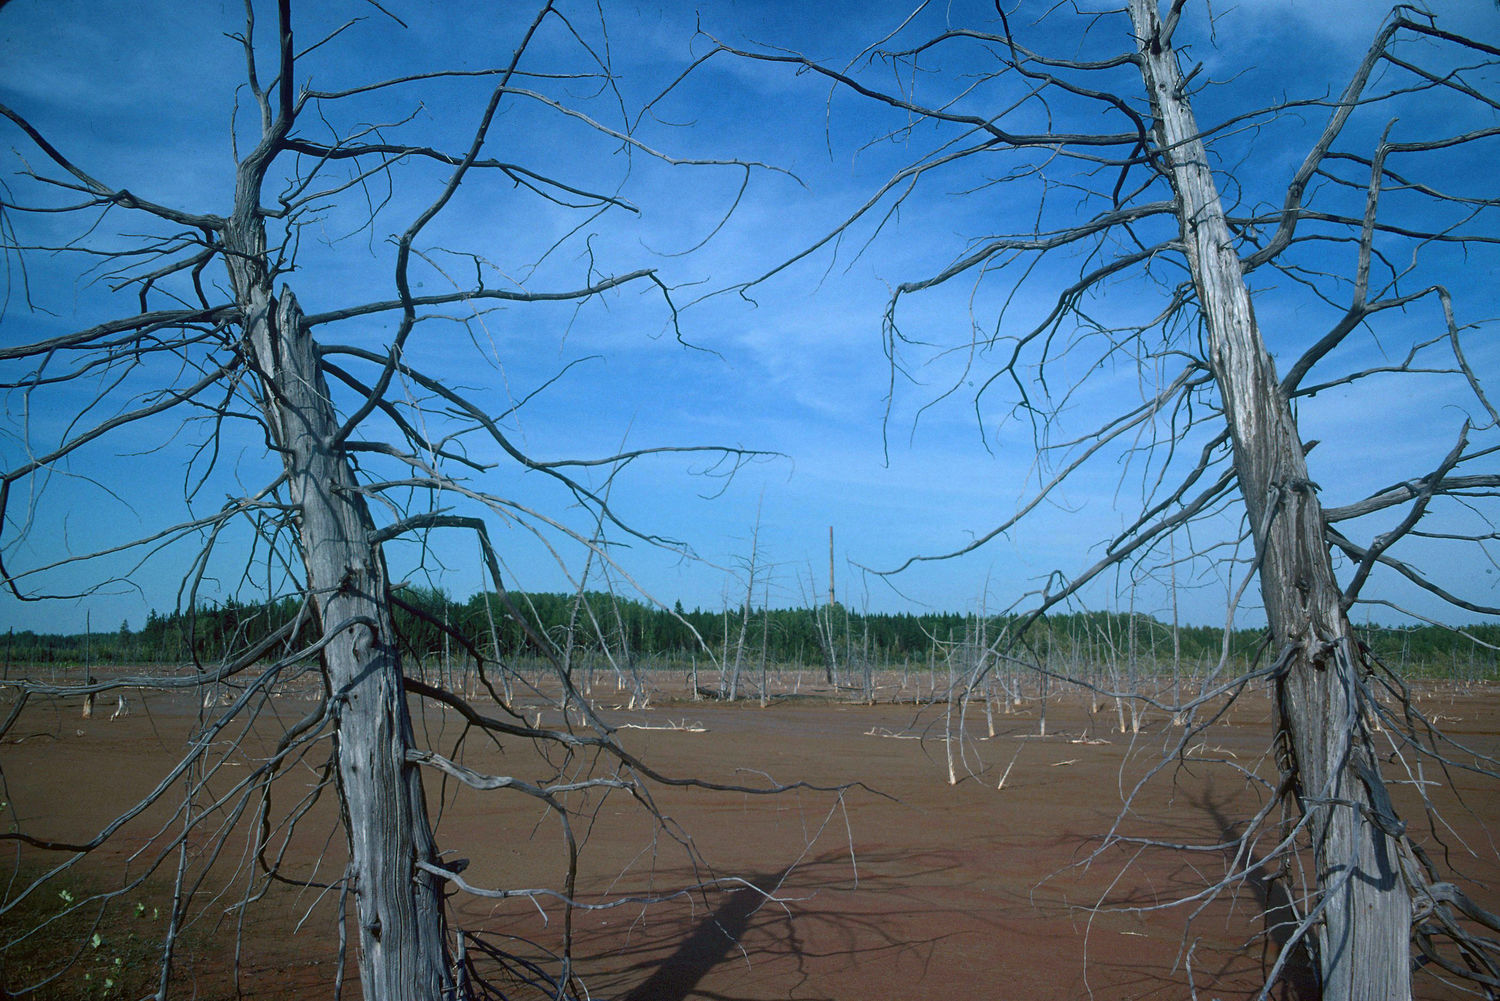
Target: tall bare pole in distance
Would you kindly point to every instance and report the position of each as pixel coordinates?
(830, 566)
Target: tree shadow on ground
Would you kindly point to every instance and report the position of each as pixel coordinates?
(711, 941)
(1299, 979)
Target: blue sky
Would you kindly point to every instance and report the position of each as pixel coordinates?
(142, 97)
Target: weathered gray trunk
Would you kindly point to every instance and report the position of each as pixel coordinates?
(399, 906)
(1363, 930)
(823, 633)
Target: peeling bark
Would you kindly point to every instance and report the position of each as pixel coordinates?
(1362, 924)
(398, 904)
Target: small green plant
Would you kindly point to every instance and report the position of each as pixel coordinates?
(89, 947)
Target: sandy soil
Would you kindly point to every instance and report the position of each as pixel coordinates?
(902, 887)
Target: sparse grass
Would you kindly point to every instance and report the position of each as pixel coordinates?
(65, 942)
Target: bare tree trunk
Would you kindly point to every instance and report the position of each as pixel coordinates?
(1364, 926)
(765, 639)
(823, 632)
(1132, 678)
(830, 655)
(88, 667)
(399, 906)
(869, 665)
(637, 683)
(504, 669)
(1177, 716)
(739, 646)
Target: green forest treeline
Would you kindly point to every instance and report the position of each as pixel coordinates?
(640, 635)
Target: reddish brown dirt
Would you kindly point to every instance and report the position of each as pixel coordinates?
(907, 887)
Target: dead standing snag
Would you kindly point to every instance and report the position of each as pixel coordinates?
(358, 444)
(1118, 180)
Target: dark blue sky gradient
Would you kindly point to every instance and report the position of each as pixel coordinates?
(148, 97)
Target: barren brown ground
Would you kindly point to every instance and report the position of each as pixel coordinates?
(906, 888)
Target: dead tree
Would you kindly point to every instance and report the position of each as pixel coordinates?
(190, 330)
(732, 685)
(1361, 221)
